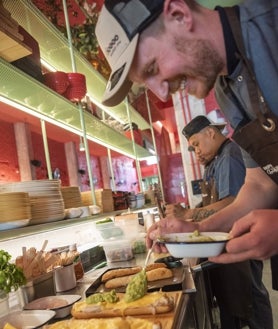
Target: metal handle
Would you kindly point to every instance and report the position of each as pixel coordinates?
(206, 265)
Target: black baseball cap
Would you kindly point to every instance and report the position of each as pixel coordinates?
(198, 123)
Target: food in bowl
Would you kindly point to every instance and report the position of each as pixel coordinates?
(195, 244)
(61, 304)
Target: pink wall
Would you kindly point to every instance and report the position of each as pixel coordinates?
(8, 158)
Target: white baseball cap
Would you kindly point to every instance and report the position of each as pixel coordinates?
(118, 28)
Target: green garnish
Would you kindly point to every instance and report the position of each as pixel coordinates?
(137, 287)
(11, 276)
(100, 297)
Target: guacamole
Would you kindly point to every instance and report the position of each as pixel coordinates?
(100, 297)
(137, 287)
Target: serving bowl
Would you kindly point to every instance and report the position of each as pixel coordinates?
(27, 319)
(186, 245)
(61, 304)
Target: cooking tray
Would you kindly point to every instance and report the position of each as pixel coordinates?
(172, 284)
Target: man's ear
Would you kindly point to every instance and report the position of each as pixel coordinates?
(179, 11)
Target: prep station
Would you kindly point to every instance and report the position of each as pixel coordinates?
(186, 285)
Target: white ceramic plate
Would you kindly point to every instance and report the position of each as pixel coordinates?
(27, 319)
(182, 245)
(61, 304)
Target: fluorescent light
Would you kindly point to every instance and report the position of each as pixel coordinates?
(48, 66)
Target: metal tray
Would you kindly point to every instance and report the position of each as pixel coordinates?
(173, 284)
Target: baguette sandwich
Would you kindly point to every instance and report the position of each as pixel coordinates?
(111, 304)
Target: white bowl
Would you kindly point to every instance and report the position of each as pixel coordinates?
(27, 319)
(182, 245)
(61, 304)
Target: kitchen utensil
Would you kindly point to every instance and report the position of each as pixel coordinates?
(205, 265)
(64, 278)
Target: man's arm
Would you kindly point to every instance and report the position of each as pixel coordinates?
(257, 192)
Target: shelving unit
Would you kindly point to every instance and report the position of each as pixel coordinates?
(54, 50)
(19, 87)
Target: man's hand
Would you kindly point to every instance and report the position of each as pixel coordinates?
(175, 210)
(254, 236)
(164, 226)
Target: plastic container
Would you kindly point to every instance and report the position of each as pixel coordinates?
(109, 230)
(138, 244)
(118, 251)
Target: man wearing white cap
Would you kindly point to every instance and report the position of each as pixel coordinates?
(171, 44)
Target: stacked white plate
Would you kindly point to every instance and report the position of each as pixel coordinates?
(47, 204)
(72, 197)
(15, 209)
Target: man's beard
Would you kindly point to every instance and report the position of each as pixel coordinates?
(205, 63)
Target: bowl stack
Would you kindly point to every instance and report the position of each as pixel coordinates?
(72, 197)
(15, 209)
(47, 204)
(58, 81)
(77, 87)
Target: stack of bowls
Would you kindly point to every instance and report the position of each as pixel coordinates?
(47, 204)
(140, 200)
(71, 196)
(77, 87)
(15, 209)
(58, 81)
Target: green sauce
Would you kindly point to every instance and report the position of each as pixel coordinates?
(100, 297)
(137, 287)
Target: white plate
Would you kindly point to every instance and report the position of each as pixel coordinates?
(61, 304)
(27, 319)
(182, 245)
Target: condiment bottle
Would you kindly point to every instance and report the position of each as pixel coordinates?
(78, 267)
(148, 220)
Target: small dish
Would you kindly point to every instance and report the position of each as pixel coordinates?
(61, 304)
(32, 319)
(186, 245)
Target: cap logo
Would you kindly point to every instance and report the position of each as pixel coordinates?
(112, 43)
(116, 77)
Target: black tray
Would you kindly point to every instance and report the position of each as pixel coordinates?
(171, 284)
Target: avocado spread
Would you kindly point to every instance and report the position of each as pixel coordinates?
(137, 287)
(100, 297)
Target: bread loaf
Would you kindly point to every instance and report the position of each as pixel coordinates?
(152, 275)
(120, 272)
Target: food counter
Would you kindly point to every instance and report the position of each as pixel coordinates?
(190, 313)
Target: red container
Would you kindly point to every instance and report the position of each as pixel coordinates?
(58, 81)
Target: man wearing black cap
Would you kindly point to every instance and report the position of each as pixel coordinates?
(233, 285)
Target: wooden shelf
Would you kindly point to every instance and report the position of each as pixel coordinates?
(12, 48)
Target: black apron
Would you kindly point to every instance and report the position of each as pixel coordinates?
(258, 137)
(230, 283)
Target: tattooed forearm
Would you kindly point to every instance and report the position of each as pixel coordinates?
(200, 214)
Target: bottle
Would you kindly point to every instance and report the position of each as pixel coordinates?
(77, 263)
(148, 220)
